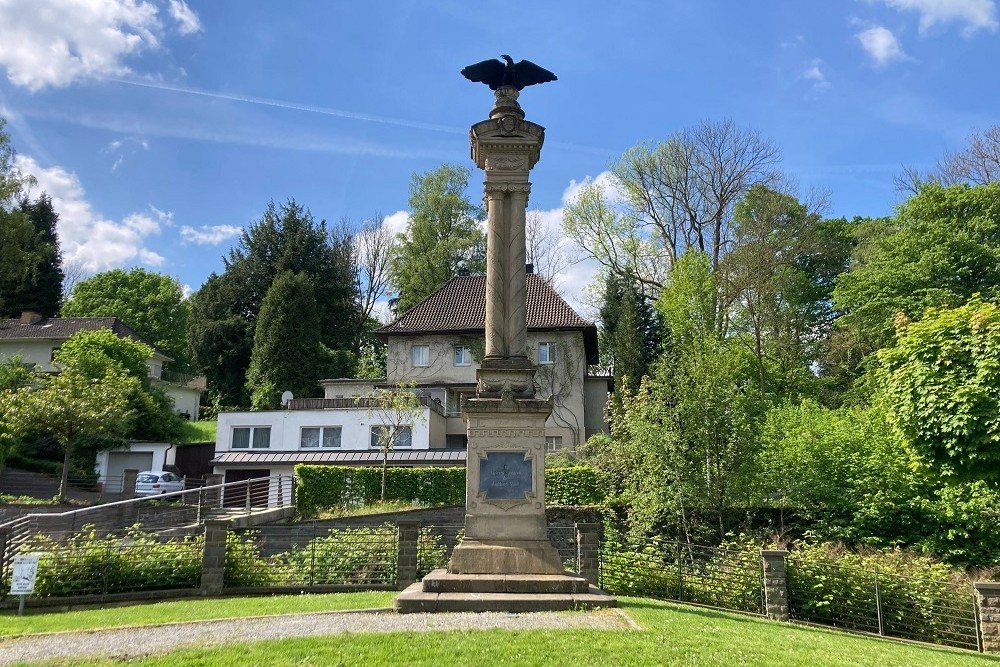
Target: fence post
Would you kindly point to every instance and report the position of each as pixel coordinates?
(213, 561)
(4, 555)
(988, 600)
(128, 483)
(775, 584)
(408, 533)
(588, 550)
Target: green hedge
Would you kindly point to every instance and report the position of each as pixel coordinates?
(578, 485)
(324, 487)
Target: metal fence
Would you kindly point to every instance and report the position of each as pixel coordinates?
(723, 578)
(312, 556)
(91, 563)
(182, 512)
(890, 605)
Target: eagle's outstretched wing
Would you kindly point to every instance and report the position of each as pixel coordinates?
(528, 73)
(489, 72)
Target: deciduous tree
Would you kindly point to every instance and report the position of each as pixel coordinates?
(151, 303)
(442, 237)
(940, 383)
(394, 409)
(942, 247)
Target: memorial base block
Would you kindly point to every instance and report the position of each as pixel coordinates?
(508, 556)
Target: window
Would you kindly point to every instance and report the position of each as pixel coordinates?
(463, 356)
(319, 436)
(251, 437)
(553, 442)
(546, 353)
(421, 356)
(403, 439)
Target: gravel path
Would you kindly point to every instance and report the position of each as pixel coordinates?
(140, 641)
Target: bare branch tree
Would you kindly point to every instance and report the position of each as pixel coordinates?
(373, 245)
(677, 194)
(977, 164)
(547, 249)
(73, 272)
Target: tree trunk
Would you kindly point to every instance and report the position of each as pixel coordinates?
(385, 468)
(64, 480)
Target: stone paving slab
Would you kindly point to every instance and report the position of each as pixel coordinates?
(124, 643)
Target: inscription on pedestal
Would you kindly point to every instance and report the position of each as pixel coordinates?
(506, 476)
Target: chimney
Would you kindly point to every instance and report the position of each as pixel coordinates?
(30, 317)
(529, 268)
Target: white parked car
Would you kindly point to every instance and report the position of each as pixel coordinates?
(157, 482)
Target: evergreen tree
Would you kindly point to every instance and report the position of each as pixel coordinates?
(221, 339)
(225, 311)
(31, 267)
(286, 345)
(442, 236)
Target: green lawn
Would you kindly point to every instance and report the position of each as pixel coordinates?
(41, 620)
(200, 431)
(671, 635)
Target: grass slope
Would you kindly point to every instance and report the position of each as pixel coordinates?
(671, 635)
(199, 431)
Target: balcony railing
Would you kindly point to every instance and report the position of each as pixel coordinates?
(349, 403)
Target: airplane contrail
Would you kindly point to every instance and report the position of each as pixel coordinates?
(281, 104)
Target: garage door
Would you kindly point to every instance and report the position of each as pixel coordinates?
(119, 462)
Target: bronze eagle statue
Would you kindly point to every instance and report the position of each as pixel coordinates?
(496, 74)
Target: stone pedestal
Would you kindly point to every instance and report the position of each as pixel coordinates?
(505, 528)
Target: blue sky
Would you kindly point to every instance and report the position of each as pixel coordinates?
(161, 128)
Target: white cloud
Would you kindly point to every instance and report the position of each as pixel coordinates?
(974, 14)
(187, 20)
(57, 42)
(121, 148)
(881, 45)
(86, 238)
(814, 73)
(397, 222)
(210, 235)
(604, 180)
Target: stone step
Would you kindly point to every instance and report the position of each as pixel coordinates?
(414, 599)
(442, 581)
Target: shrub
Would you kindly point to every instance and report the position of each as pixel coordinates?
(90, 563)
(920, 598)
(352, 556)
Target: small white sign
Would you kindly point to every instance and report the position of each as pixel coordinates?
(25, 570)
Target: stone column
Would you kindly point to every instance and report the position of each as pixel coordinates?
(588, 551)
(213, 561)
(775, 584)
(408, 536)
(988, 600)
(505, 527)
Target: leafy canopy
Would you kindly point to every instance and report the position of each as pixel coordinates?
(940, 383)
(151, 303)
(442, 235)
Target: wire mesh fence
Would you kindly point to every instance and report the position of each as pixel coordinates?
(179, 513)
(715, 577)
(93, 562)
(891, 605)
(311, 556)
